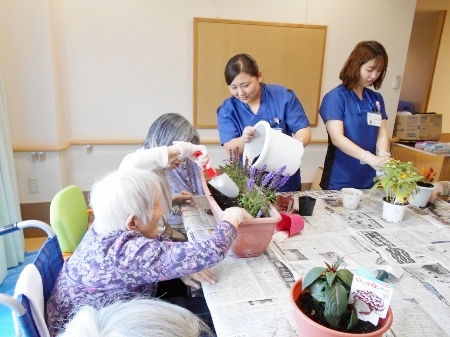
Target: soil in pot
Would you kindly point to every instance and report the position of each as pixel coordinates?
(424, 184)
(314, 310)
(222, 200)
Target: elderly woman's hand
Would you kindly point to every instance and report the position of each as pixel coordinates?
(235, 215)
(198, 153)
(205, 276)
(184, 197)
(439, 190)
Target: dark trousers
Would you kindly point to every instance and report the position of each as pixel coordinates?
(176, 292)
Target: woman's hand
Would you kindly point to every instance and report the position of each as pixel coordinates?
(184, 197)
(197, 153)
(248, 134)
(205, 276)
(235, 215)
(374, 161)
(439, 190)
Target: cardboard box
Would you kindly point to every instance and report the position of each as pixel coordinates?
(426, 126)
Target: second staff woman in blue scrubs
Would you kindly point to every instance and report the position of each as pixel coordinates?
(253, 101)
(355, 118)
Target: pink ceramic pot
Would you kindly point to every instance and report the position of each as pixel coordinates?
(254, 235)
(309, 328)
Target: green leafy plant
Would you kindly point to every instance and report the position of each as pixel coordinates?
(257, 186)
(398, 179)
(331, 286)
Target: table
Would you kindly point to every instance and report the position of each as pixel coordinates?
(251, 297)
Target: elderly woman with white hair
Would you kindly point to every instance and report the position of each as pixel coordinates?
(122, 256)
(135, 318)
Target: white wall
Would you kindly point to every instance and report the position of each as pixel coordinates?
(105, 69)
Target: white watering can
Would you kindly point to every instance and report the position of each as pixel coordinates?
(273, 148)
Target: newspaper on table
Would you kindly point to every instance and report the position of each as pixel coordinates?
(419, 246)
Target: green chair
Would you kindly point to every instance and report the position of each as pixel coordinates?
(69, 217)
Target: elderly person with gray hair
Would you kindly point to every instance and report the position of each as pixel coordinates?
(135, 318)
(122, 256)
(164, 131)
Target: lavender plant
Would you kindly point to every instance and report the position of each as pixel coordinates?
(257, 187)
(261, 190)
(237, 171)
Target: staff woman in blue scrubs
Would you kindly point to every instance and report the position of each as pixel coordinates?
(253, 101)
(355, 118)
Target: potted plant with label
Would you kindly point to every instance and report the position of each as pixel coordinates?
(257, 193)
(322, 309)
(424, 188)
(399, 180)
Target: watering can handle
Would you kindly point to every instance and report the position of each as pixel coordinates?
(211, 172)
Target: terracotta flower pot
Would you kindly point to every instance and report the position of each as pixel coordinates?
(253, 235)
(309, 328)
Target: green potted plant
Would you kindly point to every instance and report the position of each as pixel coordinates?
(425, 186)
(257, 193)
(399, 180)
(322, 308)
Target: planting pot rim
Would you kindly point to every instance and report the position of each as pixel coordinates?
(388, 320)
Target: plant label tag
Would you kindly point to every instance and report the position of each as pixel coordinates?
(374, 293)
(374, 119)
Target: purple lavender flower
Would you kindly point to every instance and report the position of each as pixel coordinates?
(253, 171)
(268, 179)
(250, 184)
(281, 182)
(281, 170)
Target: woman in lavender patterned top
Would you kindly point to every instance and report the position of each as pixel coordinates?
(122, 256)
(442, 188)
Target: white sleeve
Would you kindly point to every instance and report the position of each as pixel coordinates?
(147, 159)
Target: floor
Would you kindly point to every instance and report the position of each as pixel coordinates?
(33, 244)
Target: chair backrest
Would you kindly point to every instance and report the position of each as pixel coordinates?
(69, 217)
(35, 283)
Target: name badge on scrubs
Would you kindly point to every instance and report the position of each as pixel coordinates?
(374, 119)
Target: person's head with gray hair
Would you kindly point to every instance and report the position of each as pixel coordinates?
(122, 194)
(135, 318)
(168, 128)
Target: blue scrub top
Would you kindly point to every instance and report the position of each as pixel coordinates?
(279, 106)
(341, 170)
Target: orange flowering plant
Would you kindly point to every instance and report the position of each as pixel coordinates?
(428, 175)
